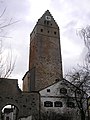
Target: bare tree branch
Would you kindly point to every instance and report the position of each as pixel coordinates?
(80, 76)
(6, 62)
(3, 13)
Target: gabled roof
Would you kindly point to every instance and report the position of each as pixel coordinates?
(47, 16)
(67, 83)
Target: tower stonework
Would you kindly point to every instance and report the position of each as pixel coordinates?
(45, 53)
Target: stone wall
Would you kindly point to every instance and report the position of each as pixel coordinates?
(45, 52)
(26, 103)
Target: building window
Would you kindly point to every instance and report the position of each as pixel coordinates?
(41, 30)
(48, 104)
(58, 104)
(63, 90)
(48, 90)
(70, 104)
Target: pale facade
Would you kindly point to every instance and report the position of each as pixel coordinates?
(60, 98)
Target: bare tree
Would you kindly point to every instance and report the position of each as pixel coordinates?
(85, 35)
(80, 79)
(6, 61)
(80, 76)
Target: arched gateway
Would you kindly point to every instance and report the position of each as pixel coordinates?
(26, 102)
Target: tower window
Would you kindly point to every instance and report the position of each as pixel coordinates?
(24, 105)
(41, 30)
(48, 90)
(47, 22)
(70, 104)
(54, 32)
(58, 104)
(48, 104)
(56, 80)
(48, 31)
(44, 21)
(63, 90)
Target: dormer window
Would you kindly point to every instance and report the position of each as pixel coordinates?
(63, 90)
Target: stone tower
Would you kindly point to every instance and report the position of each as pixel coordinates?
(45, 62)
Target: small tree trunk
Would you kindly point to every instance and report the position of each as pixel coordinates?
(82, 115)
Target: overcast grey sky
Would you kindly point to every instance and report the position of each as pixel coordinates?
(70, 15)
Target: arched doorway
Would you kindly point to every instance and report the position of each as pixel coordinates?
(9, 112)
